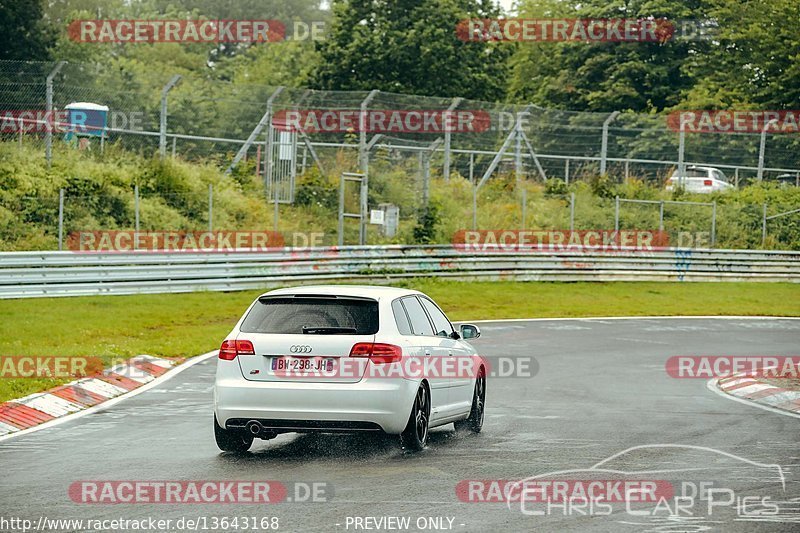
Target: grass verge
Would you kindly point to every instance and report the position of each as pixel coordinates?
(183, 325)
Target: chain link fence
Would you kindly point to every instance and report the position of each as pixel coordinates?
(296, 143)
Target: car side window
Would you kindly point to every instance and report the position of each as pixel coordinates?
(420, 324)
(401, 318)
(440, 323)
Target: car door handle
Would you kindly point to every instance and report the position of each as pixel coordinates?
(427, 352)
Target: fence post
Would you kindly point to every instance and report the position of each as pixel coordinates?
(474, 191)
(566, 172)
(363, 162)
(162, 138)
(456, 102)
(524, 205)
(136, 209)
(21, 126)
(210, 207)
(763, 147)
(362, 127)
(572, 211)
(736, 176)
(713, 223)
(661, 216)
(616, 213)
(48, 130)
(764, 225)
(627, 171)
(517, 153)
(604, 142)
(681, 148)
(60, 219)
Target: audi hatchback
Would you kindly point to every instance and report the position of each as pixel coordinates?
(346, 359)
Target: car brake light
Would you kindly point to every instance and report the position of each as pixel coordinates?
(708, 183)
(230, 349)
(377, 352)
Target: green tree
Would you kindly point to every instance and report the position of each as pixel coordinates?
(410, 47)
(607, 76)
(755, 59)
(24, 35)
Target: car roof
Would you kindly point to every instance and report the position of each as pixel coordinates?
(365, 291)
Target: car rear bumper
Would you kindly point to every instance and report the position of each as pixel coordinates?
(368, 405)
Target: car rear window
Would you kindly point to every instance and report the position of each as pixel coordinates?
(691, 173)
(336, 315)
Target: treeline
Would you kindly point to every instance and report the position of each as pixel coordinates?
(734, 54)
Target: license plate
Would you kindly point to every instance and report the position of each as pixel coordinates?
(300, 364)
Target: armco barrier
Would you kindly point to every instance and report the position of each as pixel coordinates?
(41, 274)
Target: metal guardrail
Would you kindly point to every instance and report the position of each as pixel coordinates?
(47, 274)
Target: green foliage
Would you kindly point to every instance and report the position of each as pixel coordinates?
(24, 34)
(410, 47)
(425, 230)
(314, 189)
(556, 187)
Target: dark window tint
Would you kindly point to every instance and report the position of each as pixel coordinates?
(440, 322)
(400, 318)
(420, 324)
(292, 314)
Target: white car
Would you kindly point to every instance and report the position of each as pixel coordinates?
(699, 180)
(346, 359)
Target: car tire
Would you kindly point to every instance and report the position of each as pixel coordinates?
(231, 441)
(415, 437)
(474, 422)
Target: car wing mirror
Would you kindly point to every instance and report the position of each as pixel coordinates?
(469, 331)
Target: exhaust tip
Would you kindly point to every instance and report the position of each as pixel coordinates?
(254, 427)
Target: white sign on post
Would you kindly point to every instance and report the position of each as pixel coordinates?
(376, 216)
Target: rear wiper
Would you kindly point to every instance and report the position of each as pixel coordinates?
(307, 330)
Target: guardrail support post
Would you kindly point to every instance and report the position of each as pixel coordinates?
(616, 213)
(48, 130)
(60, 219)
(604, 142)
(713, 223)
(162, 138)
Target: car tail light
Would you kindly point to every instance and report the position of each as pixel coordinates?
(230, 349)
(377, 352)
(708, 183)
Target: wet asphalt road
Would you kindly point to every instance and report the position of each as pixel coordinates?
(601, 388)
